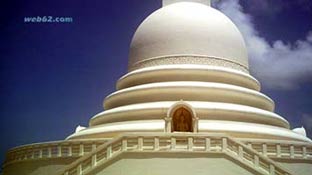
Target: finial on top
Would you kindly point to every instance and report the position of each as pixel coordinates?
(168, 2)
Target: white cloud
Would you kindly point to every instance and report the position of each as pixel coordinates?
(277, 66)
(307, 124)
(307, 121)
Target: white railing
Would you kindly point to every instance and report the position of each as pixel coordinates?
(283, 150)
(175, 142)
(58, 149)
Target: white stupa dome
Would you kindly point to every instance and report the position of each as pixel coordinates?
(187, 29)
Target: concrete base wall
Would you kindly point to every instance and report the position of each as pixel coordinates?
(156, 164)
(166, 163)
(37, 167)
(298, 168)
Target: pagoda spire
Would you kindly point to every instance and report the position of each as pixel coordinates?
(168, 2)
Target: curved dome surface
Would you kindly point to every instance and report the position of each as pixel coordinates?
(187, 29)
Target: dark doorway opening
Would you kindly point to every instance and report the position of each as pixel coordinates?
(182, 120)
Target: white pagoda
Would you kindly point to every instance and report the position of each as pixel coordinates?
(187, 105)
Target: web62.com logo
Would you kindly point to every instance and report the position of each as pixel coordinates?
(48, 19)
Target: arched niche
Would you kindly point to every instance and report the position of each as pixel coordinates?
(181, 117)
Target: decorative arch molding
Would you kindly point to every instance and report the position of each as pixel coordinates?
(172, 110)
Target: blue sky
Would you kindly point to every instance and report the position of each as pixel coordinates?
(55, 76)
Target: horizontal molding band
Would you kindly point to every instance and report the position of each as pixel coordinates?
(203, 110)
(235, 129)
(188, 72)
(188, 91)
(188, 59)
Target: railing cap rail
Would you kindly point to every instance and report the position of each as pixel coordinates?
(54, 143)
(281, 142)
(168, 135)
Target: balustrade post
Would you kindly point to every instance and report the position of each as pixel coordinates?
(240, 151)
(272, 169)
(109, 152)
(93, 160)
(93, 147)
(304, 152)
(190, 143)
(278, 150)
(208, 144)
(124, 145)
(19, 157)
(249, 145)
(59, 151)
(81, 150)
(25, 156)
(40, 153)
(32, 154)
(70, 151)
(156, 144)
(14, 156)
(256, 161)
(49, 152)
(173, 142)
(140, 143)
(224, 144)
(264, 149)
(292, 151)
(79, 169)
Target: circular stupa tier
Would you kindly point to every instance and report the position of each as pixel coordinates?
(187, 97)
(204, 111)
(241, 130)
(188, 72)
(188, 33)
(188, 91)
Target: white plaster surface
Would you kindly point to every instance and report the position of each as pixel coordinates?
(205, 110)
(175, 165)
(188, 90)
(191, 29)
(42, 167)
(299, 168)
(190, 72)
(237, 129)
(169, 2)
